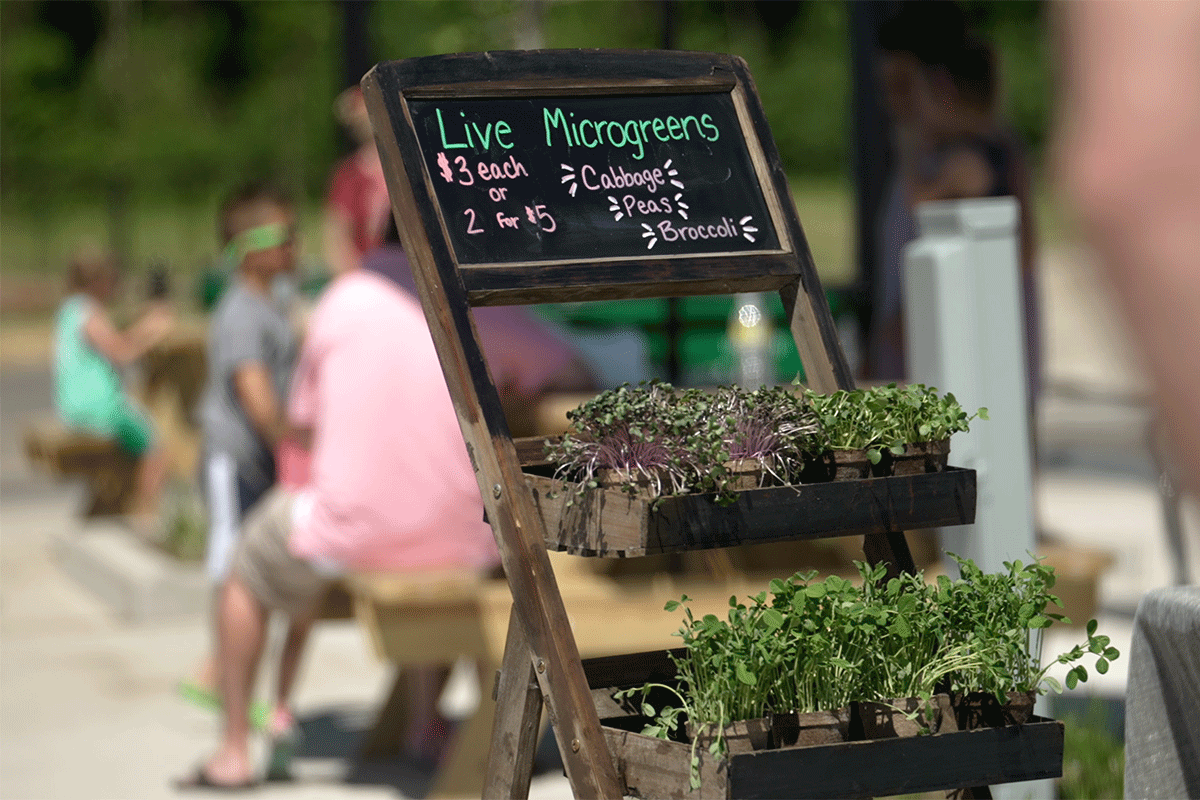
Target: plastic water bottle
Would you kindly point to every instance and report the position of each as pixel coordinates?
(751, 336)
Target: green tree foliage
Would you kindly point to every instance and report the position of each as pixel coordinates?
(172, 102)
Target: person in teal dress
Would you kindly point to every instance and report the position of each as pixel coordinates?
(88, 351)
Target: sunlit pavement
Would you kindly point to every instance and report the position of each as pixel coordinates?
(87, 702)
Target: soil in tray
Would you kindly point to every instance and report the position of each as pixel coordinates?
(981, 710)
(901, 717)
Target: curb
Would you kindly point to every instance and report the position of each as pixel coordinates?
(139, 583)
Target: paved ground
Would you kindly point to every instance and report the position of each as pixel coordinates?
(87, 707)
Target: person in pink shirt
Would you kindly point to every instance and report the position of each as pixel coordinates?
(526, 358)
(390, 488)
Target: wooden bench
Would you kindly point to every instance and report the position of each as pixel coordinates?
(109, 473)
(438, 617)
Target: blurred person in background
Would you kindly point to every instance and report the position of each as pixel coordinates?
(941, 86)
(527, 358)
(251, 354)
(1128, 150)
(357, 207)
(391, 489)
(89, 350)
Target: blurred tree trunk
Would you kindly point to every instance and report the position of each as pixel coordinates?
(357, 58)
(526, 26)
(118, 80)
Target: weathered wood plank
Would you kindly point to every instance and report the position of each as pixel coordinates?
(656, 768)
(578, 70)
(609, 523)
(515, 729)
(613, 279)
(531, 450)
(600, 523)
(891, 548)
(631, 669)
(549, 86)
(987, 756)
(957, 759)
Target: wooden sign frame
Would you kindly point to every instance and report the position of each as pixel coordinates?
(541, 659)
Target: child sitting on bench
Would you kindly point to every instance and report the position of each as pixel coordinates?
(88, 350)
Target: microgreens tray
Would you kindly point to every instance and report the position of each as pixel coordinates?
(611, 523)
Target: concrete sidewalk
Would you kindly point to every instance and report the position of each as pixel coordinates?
(88, 706)
(87, 700)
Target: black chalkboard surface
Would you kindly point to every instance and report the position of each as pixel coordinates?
(561, 178)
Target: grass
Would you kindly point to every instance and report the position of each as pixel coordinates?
(1093, 758)
(185, 237)
(826, 210)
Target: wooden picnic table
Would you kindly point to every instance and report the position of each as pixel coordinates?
(420, 618)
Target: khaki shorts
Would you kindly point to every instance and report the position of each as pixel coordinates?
(280, 580)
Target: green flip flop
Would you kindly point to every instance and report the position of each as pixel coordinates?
(207, 699)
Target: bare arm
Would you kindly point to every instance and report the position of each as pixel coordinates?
(124, 347)
(337, 239)
(1128, 152)
(256, 394)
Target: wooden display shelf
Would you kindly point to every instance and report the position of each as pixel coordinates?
(610, 523)
(741, 233)
(651, 767)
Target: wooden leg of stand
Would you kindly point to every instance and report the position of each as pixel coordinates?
(383, 741)
(949, 724)
(890, 548)
(518, 713)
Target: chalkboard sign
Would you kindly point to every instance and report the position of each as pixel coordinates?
(552, 176)
(651, 173)
(562, 178)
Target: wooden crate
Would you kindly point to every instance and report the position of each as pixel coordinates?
(610, 523)
(650, 767)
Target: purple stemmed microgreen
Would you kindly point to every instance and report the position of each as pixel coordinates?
(646, 438)
(769, 426)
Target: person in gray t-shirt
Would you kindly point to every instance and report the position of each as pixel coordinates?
(252, 350)
(248, 330)
(251, 353)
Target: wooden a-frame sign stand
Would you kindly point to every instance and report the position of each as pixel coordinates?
(558, 176)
